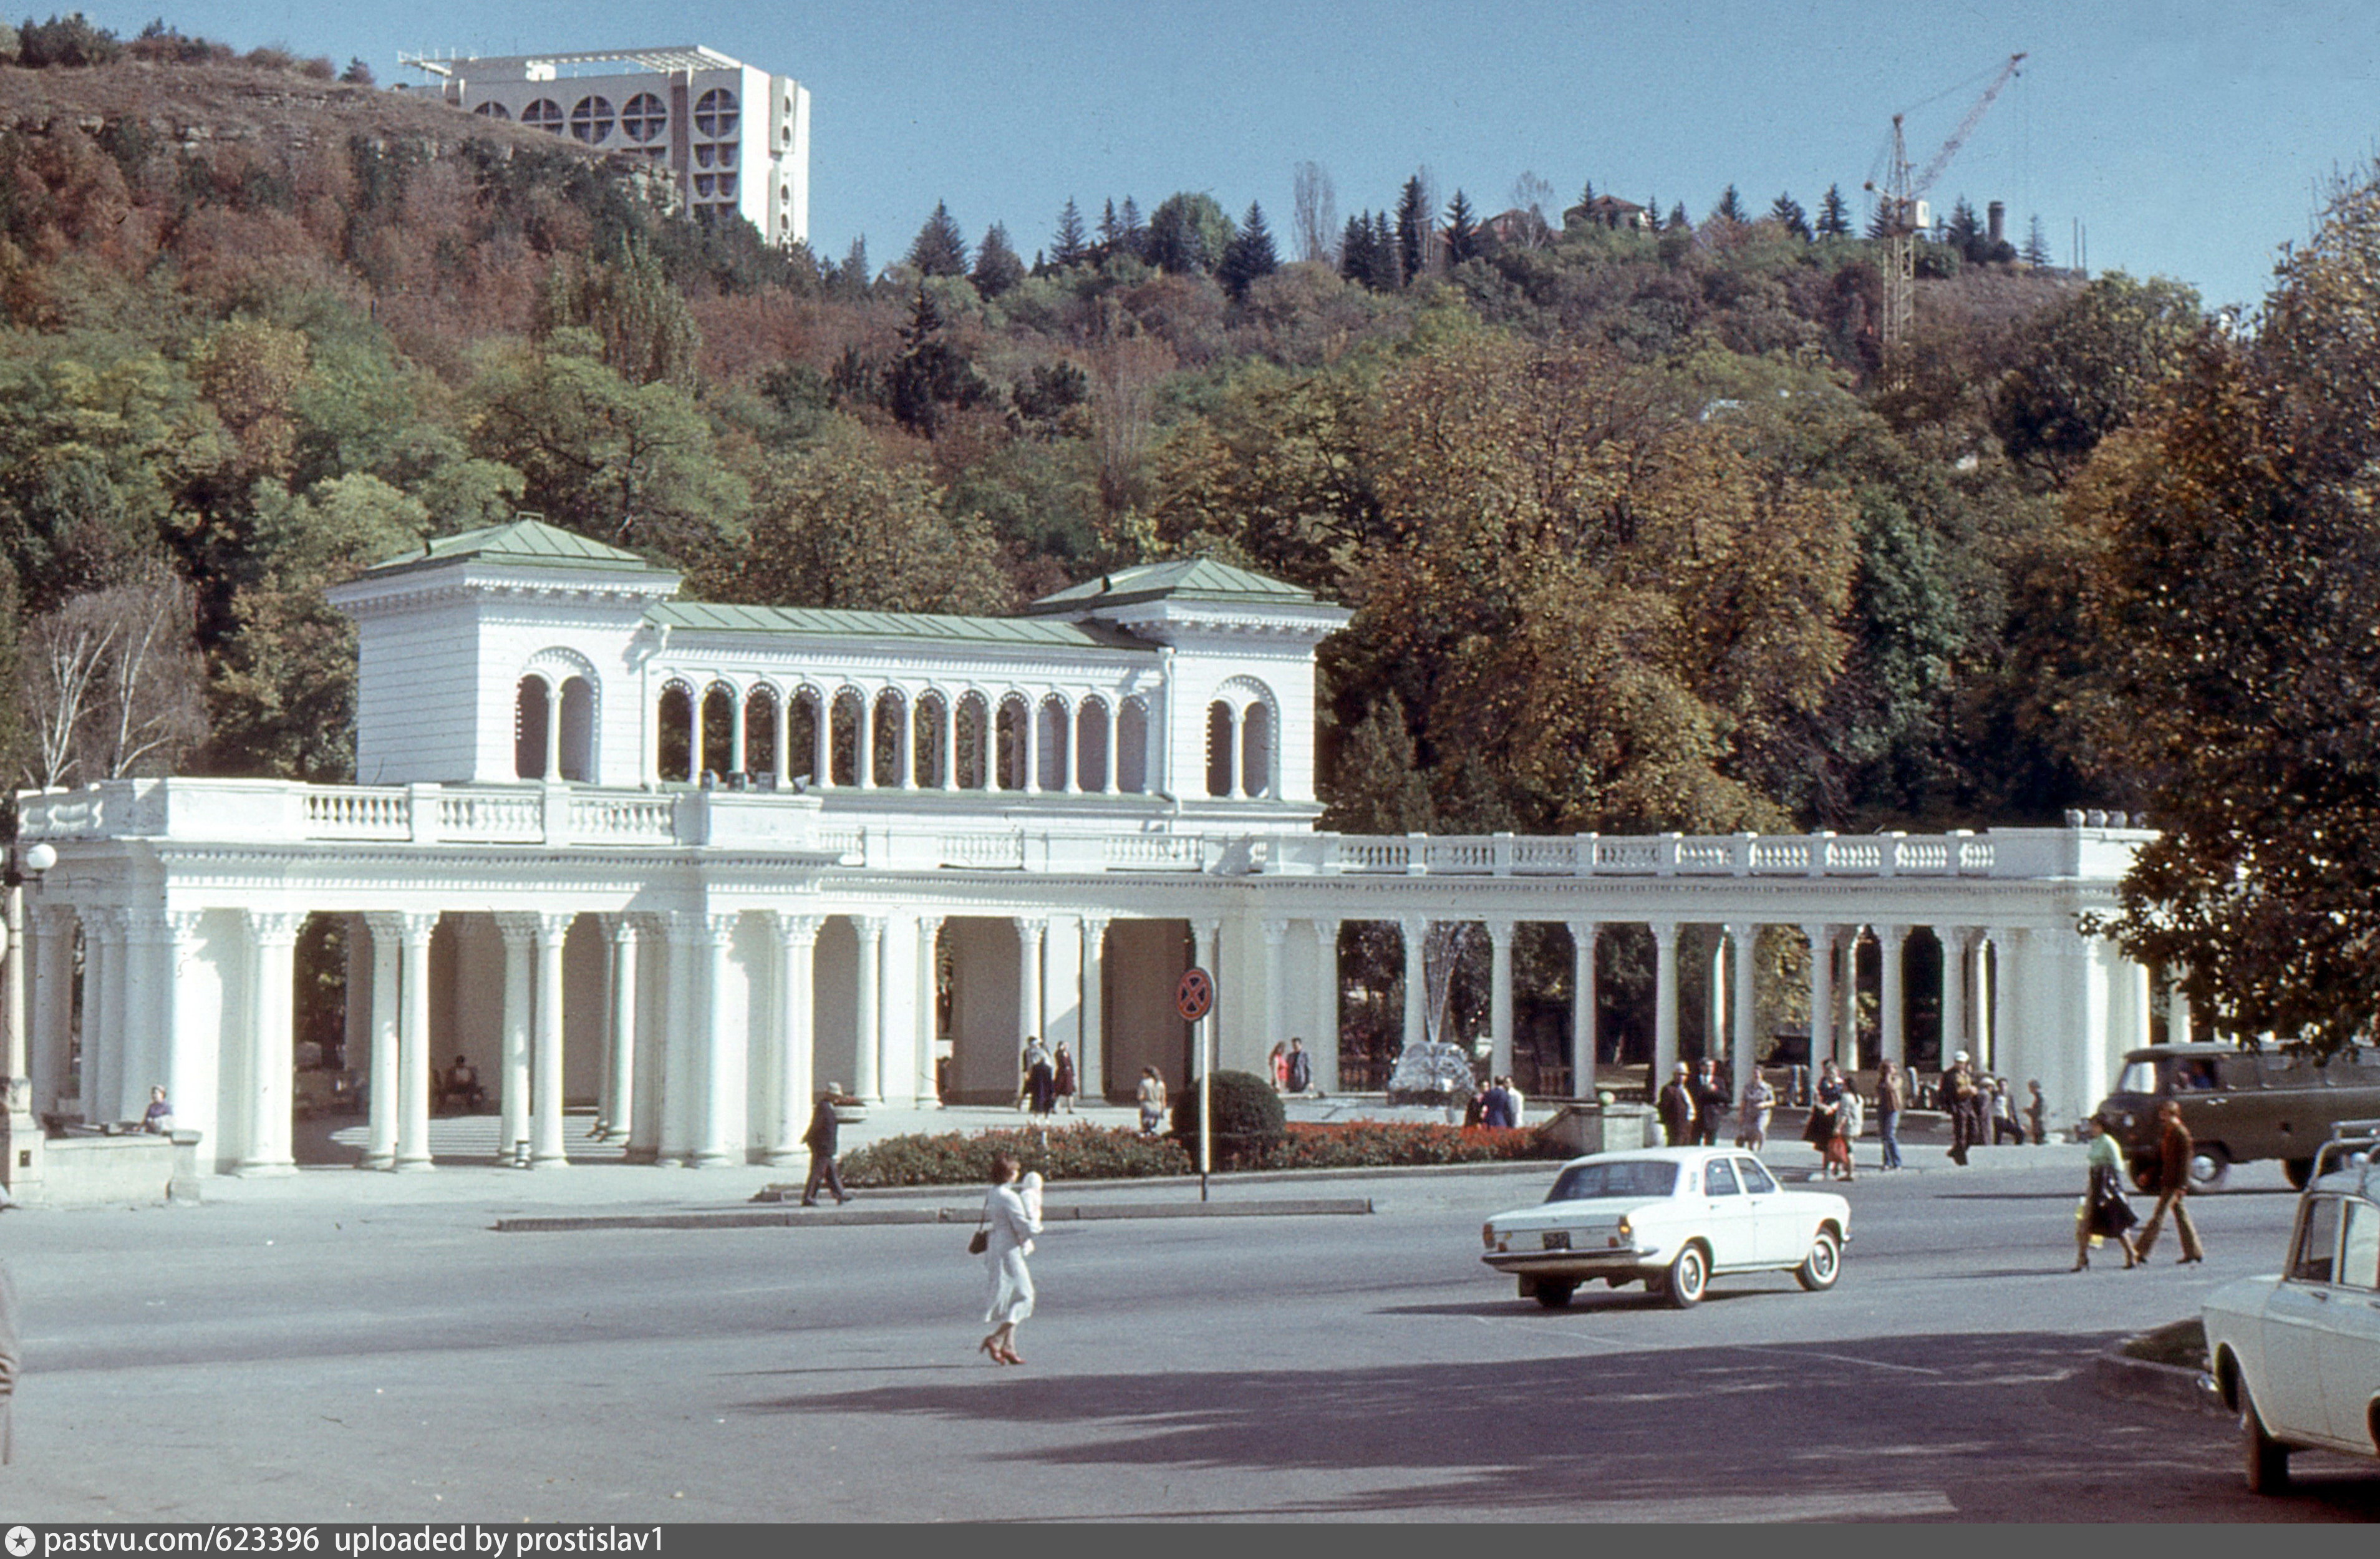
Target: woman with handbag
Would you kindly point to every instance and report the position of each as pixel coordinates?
(2106, 1211)
(1006, 1235)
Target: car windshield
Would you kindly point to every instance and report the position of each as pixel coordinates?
(1627, 1177)
(2171, 1073)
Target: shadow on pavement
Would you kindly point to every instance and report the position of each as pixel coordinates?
(1998, 1428)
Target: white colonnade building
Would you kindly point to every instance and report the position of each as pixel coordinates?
(686, 862)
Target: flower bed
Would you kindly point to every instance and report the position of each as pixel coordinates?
(1090, 1152)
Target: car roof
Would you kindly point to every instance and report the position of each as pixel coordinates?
(1662, 1155)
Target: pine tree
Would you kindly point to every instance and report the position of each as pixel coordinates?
(1072, 246)
(851, 279)
(1355, 249)
(931, 377)
(2037, 246)
(997, 268)
(1965, 232)
(1249, 255)
(1788, 210)
(1833, 217)
(1110, 231)
(1678, 222)
(1387, 269)
(1587, 194)
(1879, 224)
(938, 250)
(1132, 236)
(1730, 207)
(1462, 231)
(1413, 229)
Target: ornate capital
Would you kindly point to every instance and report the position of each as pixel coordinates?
(519, 929)
(275, 928)
(717, 930)
(414, 928)
(182, 926)
(795, 930)
(1276, 933)
(1501, 934)
(1665, 934)
(554, 927)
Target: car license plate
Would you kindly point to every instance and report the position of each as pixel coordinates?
(1556, 1241)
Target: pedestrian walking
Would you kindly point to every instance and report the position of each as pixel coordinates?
(1152, 1100)
(1958, 1097)
(2036, 1112)
(2105, 1211)
(1009, 1228)
(1301, 1066)
(1496, 1105)
(2175, 1149)
(1278, 1065)
(1063, 1078)
(1040, 1079)
(820, 1141)
(1710, 1103)
(2005, 1126)
(1825, 1128)
(1751, 1117)
(1676, 1107)
(1891, 1098)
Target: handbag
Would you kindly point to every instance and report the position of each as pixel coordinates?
(981, 1241)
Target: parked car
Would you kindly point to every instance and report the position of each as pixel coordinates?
(2278, 1103)
(1669, 1218)
(2297, 1355)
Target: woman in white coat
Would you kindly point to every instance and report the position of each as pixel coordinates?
(1010, 1223)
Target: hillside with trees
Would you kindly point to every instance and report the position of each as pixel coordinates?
(1642, 528)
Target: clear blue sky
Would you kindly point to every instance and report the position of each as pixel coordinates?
(2190, 140)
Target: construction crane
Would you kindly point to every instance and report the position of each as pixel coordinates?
(1899, 211)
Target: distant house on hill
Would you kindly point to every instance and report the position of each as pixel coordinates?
(1604, 211)
(1519, 228)
(736, 139)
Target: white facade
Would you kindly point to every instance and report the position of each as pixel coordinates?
(686, 862)
(736, 139)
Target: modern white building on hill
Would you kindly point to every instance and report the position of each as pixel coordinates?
(686, 862)
(735, 138)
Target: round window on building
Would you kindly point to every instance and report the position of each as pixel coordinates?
(726, 185)
(493, 111)
(714, 113)
(544, 115)
(644, 117)
(590, 119)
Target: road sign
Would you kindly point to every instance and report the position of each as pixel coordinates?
(1194, 997)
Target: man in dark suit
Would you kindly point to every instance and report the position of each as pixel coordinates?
(1711, 1099)
(820, 1141)
(2176, 1148)
(1676, 1105)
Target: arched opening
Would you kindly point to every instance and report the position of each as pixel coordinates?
(760, 731)
(718, 729)
(675, 758)
(532, 710)
(1091, 758)
(972, 751)
(850, 714)
(1011, 746)
(892, 718)
(1255, 751)
(578, 730)
(1219, 748)
(930, 742)
(1049, 745)
(1132, 748)
(802, 736)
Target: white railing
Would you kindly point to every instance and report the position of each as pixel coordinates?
(643, 820)
(1662, 855)
(342, 812)
(1154, 852)
(984, 852)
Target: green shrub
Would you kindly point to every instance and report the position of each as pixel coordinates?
(1071, 1153)
(1384, 1144)
(1249, 1123)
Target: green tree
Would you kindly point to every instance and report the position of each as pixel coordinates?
(1249, 255)
(1731, 207)
(648, 334)
(931, 376)
(2089, 366)
(1787, 211)
(1833, 216)
(1188, 233)
(2036, 244)
(1413, 229)
(1462, 231)
(938, 250)
(1070, 245)
(997, 268)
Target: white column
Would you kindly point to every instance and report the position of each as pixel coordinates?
(1070, 760)
(1954, 990)
(896, 1020)
(948, 762)
(102, 947)
(1091, 1057)
(648, 1015)
(1847, 1051)
(50, 1056)
(545, 1117)
(1325, 1005)
(695, 742)
(552, 730)
(1113, 714)
(797, 947)
(1822, 995)
(682, 1036)
(717, 1115)
(2176, 1007)
(387, 977)
(2007, 992)
(513, 1073)
(737, 727)
(620, 1017)
(929, 1033)
(1745, 948)
(1238, 749)
(781, 757)
(1499, 998)
(1665, 1001)
(1416, 938)
(869, 1083)
(412, 1061)
(1583, 935)
(271, 993)
(147, 1009)
(1275, 1007)
(191, 1073)
(1029, 933)
(1983, 1008)
(822, 742)
(2136, 1003)
(1206, 938)
(907, 745)
(1891, 942)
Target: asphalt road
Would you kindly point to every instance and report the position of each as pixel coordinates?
(292, 1359)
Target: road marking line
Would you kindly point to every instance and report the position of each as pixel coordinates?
(1837, 1357)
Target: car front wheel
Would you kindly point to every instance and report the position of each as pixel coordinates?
(2264, 1459)
(2210, 1166)
(1683, 1283)
(1822, 1264)
(2299, 1171)
(1555, 1295)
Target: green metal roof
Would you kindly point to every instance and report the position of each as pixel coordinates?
(815, 622)
(1196, 578)
(526, 541)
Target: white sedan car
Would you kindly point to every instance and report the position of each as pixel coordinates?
(1672, 1218)
(2298, 1354)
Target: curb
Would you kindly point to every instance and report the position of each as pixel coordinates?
(2118, 1373)
(1056, 1213)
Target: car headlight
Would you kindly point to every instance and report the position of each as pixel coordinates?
(1626, 1231)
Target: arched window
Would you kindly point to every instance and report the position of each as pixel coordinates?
(493, 111)
(675, 756)
(715, 113)
(718, 730)
(578, 730)
(544, 115)
(850, 716)
(1051, 745)
(760, 731)
(643, 117)
(1132, 748)
(590, 119)
(1012, 744)
(802, 736)
(1255, 750)
(532, 708)
(930, 742)
(891, 714)
(1091, 756)
(972, 751)
(1219, 748)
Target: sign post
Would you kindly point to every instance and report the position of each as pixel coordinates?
(1193, 999)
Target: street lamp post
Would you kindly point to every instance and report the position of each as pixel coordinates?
(21, 1137)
